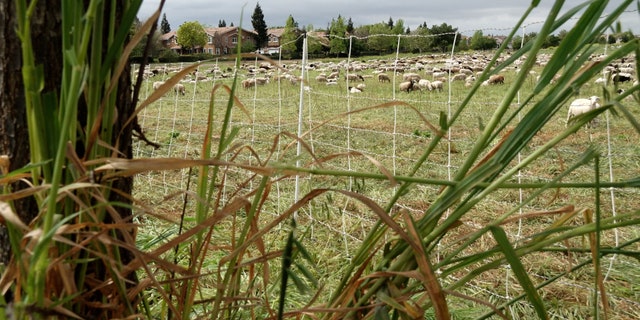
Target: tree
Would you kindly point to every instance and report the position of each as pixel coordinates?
(337, 32)
(222, 23)
(480, 42)
(155, 47)
(191, 35)
(444, 35)
(259, 26)
(45, 51)
(349, 26)
(390, 23)
(377, 41)
(164, 24)
(422, 41)
(289, 35)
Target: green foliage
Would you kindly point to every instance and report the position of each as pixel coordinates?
(422, 41)
(168, 56)
(379, 43)
(337, 33)
(288, 39)
(191, 35)
(445, 36)
(259, 26)
(480, 42)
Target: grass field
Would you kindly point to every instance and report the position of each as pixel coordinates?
(345, 135)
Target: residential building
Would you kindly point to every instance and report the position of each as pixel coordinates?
(220, 41)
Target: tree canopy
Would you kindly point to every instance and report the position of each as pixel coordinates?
(259, 26)
(191, 34)
(164, 24)
(337, 31)
(287, 42)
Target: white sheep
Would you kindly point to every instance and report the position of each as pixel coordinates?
(424, 84)
(411, 77)
(437, 85)
(581, 106)
(157, 84)
(179, 88)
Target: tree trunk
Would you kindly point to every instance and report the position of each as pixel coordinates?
(47, 42)
(13, 124)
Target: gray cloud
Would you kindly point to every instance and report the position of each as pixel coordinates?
(467, 15)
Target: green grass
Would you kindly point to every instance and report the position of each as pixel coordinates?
(335, 226)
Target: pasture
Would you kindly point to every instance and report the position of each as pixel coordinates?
(354, 142)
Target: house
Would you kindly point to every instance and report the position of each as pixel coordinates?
(223, 40)
(169, 41)
(220, 41)
(273, 44)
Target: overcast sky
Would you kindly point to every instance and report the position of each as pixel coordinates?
(466, 15)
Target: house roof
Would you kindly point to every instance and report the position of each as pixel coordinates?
(276, 32)
(223, 30)
(167, 35)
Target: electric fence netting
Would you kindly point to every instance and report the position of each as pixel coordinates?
(354, 118)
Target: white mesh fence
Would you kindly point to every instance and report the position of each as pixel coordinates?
(391, 133)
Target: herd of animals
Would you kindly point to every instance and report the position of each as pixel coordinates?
(429, 72)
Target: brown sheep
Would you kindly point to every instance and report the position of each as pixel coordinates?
(407, 86)
(496, 79)
(383, 78)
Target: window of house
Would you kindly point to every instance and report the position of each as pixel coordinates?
(210, 39)
(218, 51)
(234, 39)
(210, 50)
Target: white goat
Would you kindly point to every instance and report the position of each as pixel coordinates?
(581, 106)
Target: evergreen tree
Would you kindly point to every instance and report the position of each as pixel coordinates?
(349, 26)
(164, 24)
(259, 26)
(222, 23)
(390, 23)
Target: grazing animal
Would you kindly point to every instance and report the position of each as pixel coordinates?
(157, 84)
(248, 83)
(333, 75)
(424, 84)
(354, 77)
(459, 77)
(411, 77)
(496, 79)
(407, 86)
(357, 89)
(622, 77)
(179, 88)
(261, 81)
(382, 77)
(321, 78)
(437, 85)
(581, 106)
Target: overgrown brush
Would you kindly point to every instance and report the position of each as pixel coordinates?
(223, 257)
